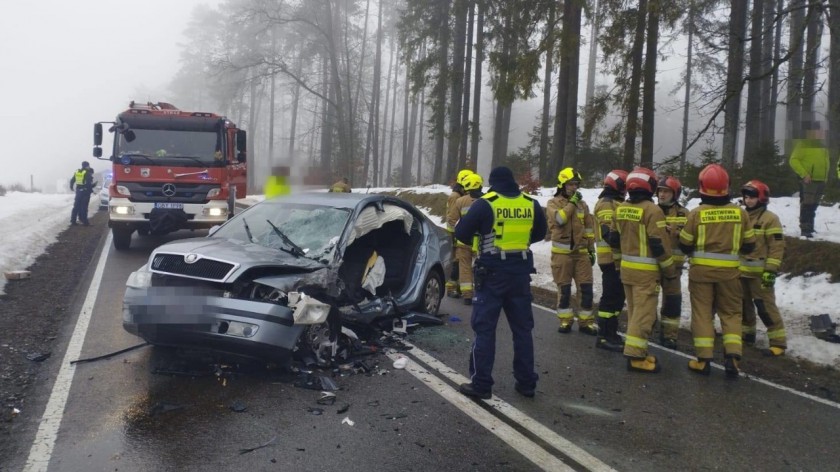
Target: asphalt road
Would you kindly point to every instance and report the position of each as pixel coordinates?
(589, 412)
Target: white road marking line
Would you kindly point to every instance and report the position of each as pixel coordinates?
(42, 447)
(747, 376)
(533, 452)
(555, 440)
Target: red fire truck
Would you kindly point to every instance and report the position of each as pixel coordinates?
(172, 170)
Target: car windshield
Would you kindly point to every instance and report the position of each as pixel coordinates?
(315, 229)
(168, 146)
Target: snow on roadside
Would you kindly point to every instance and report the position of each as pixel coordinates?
(29, 222)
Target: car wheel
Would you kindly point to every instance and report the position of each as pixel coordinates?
(432, 293)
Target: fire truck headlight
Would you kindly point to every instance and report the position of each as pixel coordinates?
(214, 192)
(216, 211)
(123, 190)
(122, 210)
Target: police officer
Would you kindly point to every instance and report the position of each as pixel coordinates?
(507, 223)
(714, 234)
(572, 251)
(464, 254)
(612, 292)
(668, 193)
(638, 231)
(83, 182)
(452, 285)
(758, 269)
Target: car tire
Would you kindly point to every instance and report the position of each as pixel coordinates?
(122, 238)
(432, 293)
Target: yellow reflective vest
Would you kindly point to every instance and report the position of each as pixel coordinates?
(513, 219)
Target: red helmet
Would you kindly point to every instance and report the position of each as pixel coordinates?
(672, 183)
(756, 188)
(641, 179)
(617, 180)
(714, 181)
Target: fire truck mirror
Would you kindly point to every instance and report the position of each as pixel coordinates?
(241, 140)
(97, 136)
(97, 151)
(129, 135)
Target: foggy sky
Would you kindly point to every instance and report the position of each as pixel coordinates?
(65, 65)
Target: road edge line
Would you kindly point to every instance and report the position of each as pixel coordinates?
(42, 447)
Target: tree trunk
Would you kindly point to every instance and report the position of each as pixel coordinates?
(812, 56)
(546, 110)
(734, 75)
(440, 90)
(768, 111)
(294, 112)
(561, 114)
(590, 70)
(361, 70)
(570, 151)
(253, 163)
(405, 164)
(688, 67)
(389, 181)
(752, 122)
(420, 136)
(380, 174)
(634, 92)
(834, 84)
(372, 145)
(475, 124)
(459, 39)
(465, 109)
(794, 82)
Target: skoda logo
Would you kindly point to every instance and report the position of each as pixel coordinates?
(168, 190)
(190, 258)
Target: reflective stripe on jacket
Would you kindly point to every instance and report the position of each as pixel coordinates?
(717, 233)
(769, 243)
(637, 223)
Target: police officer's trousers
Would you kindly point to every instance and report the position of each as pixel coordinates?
(513, 294)
(641, 316)
(80, 206)
(763, 300)
(723, 296)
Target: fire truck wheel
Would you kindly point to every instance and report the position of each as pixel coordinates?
(122, 238)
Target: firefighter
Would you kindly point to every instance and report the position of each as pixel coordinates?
(507, 223)
(668, 192)
(341, 186)
(638, 232)
(452, 287)
(714, 234)
(82, 182)
(612, 293)
(758, 269)
(464, 253)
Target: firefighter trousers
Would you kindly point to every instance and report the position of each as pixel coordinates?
(641, 316)
(464, 256)
(707, 297)
(671, 305)
(762, 300)
(564, 269)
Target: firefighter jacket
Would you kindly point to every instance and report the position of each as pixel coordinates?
(810, 157)
(604, 212)
(769, 244)
(638, 232)
(458, 209)
(450, 202)
(713, 238)
(675, 217)
(340, 187)
(571, 226)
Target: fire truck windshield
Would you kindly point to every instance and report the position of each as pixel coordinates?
(168, 147)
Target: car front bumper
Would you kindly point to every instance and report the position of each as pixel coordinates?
(185, 317)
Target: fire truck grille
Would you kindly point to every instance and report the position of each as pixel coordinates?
(201, 268)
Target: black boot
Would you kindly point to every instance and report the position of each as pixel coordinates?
(608, 337)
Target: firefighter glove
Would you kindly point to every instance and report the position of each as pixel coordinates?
(768, 279)
(574, 199)
(591, 258)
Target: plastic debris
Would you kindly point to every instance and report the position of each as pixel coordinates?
(15, 412)
(400, 362)
(315, 411)
(38, 356)
(316, 382)
(17, 274)
(823, 328)
(238, 406)
(343, 408)
(327, 398)
(348, 421)
(454, 319)
(252, 449)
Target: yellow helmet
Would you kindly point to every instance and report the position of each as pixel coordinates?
(568, 175)
(461, 174)
(472, 182)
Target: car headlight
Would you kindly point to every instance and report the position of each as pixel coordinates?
(214, 192)
(308, 310)
(139, 279)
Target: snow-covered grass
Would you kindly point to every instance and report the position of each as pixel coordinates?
(29, 222)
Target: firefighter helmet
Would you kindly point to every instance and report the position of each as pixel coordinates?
(461, 174)
(472, 182)
(672, 183)
(757, 189)
(617, 180)
(641, 180)
(714, 181)
(568, 175)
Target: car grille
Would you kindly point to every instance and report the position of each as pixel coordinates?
(203, 268)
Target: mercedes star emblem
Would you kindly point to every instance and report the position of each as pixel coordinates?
(190, 258)
(169, 190)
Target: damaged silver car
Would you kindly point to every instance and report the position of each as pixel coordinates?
(288, 276)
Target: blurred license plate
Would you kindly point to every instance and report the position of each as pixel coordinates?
(169, 205)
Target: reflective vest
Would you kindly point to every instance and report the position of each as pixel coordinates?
(80, 175)
(513, 219)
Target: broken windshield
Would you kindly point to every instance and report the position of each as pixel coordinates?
(315, 229)
(168, 147)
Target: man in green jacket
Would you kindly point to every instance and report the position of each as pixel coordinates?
(809, 159)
